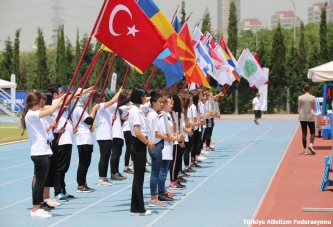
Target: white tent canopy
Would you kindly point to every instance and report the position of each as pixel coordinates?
(7, 84)
(321, 73)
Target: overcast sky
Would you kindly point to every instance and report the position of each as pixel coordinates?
(81, 14)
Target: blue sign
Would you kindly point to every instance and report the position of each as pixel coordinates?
(20, 98)
(327, 99)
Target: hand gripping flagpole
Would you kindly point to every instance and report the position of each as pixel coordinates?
(150, 77)
(122, 87)
(96, 83)
(80, 61)
(84, 78)
(105, 84)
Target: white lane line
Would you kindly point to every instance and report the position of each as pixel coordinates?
(93, 204)
(189, 193)
(16, 166)
(31, 175)
(272, 178)
(12, 156)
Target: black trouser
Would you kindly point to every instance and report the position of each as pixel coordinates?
(52, 174)
(208, 132)
(199, 141)
(176, 163)
(105, 147)
(194, 144)
(117, 147)
(64, 160)
(139, 150)
(311, 125)
(41, 169)
(85, 152)
(187, 151)
(128, 141)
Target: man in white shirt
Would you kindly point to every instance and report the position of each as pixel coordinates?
(256, 107)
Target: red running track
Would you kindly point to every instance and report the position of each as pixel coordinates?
(295, 185)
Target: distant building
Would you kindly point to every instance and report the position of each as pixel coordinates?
(253, 24)
(286, 18)
(314, 12)
(223, 15)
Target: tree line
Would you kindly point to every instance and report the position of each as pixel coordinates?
(287, 60)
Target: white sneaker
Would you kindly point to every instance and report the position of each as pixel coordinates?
(148, 212)
(52, 202)
(203, 152)
(40, 214)
(156, 203)
(201, 157)
(105, 182)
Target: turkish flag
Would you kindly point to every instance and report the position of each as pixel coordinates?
(125, 29)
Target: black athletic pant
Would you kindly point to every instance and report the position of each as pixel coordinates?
(52, 174)
(311, 125)
(187, 151)
(200, 141)
(208, 132)
(41, 169)
(194, 144)
(85, 152)
(139, 150)
(128, 141)
(117, 147)
(105, 147)
(175, 164)
(64, 160)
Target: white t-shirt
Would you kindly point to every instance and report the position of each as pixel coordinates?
(193, 110)
(205, 111)
(167, 151)
(257, 103)
(104, 129)
(125, 125)
(153, 115)
(37, 134)
(136, 117)
(117, 131)
(83, 136)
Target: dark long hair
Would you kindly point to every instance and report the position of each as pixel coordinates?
(33, 98)
(177, 105)
(137, 94)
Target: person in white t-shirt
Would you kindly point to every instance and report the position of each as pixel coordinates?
(167, 152)
(40, 148)
(104, 134)
(138, 126)
(156, 102)
(256, 107)
(84, 141)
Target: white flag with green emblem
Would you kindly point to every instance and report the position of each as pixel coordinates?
(250, 70)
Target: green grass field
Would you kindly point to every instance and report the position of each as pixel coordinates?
(10, 133)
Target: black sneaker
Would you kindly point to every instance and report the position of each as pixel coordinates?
(165, 198)
(117, 176)
(86, 186)
(182, 180)
(189, 170)
(185, 175)
(147, 171)
(46, 207)
(84, 190)
(181, 185)
(124, 178)
(128, 171)
(195, 165)
(68, 196)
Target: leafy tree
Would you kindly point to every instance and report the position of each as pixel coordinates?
(330, 41)
(232, 28)
(77, 55)
(302, 53)
(205, 24)
(23, 75)
(293, 78)
(7, 60)
(16, 58)
(61, 61)
(277, 76)
(69, 60)
(323, 36)
(42, 72)
(88, 57)
(183, 13)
